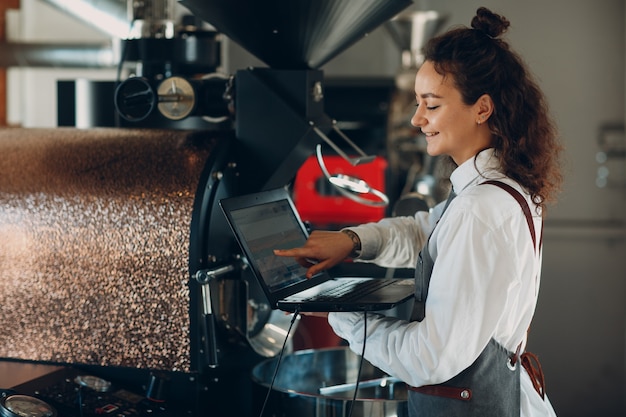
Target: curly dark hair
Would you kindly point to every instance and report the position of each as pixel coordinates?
(525, 137)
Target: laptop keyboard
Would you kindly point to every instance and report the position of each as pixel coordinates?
(349, 290)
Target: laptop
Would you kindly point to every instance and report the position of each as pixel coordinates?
(268, 220)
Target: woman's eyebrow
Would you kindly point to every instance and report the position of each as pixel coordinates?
(429, 95)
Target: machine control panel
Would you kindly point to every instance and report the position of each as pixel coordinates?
(69, 392)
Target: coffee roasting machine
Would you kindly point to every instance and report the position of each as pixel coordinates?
(116, 261)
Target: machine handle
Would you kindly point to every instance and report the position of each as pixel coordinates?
(351, 187)
(204, 277)
(210, 340)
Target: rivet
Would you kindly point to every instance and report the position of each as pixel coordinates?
(465, 394)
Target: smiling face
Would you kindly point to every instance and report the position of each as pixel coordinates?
(451, 127)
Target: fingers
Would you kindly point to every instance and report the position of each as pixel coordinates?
(295, 253)
(316, 269)
(309, 263)
(322, 250)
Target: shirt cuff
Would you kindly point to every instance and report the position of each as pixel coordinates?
(343, 323)
(369, 242)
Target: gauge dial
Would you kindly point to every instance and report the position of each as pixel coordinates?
(25, 406)
(135, 99)
(177, 98)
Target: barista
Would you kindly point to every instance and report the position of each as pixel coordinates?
(478, 254)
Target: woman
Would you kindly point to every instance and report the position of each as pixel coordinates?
(478, 263)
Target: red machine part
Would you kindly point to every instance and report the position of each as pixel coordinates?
(320, 204)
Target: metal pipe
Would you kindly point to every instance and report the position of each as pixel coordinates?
(50, 55)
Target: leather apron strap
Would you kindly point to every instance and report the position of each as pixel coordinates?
(528, 360)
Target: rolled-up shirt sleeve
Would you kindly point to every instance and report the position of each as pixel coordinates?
(395, 242)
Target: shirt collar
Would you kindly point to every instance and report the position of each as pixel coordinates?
(475, 168)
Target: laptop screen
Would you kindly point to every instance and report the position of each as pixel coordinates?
(266, 227)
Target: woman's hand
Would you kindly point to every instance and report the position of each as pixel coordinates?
(322, 250)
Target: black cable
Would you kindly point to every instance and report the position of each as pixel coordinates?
(280, 357)
(358, 376)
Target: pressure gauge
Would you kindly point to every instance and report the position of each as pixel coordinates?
(17, 405)
(177, 98)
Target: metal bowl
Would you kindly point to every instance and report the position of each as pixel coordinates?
(321, 383)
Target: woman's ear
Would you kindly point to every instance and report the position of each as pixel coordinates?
(484, 108)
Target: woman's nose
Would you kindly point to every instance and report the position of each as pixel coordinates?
(418, 119)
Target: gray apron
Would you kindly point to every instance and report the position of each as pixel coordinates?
(490, 387)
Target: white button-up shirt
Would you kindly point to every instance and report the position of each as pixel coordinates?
(484, 283)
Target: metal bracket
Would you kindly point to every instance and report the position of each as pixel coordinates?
(363, 158)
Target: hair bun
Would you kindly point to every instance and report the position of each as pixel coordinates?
(493, 25)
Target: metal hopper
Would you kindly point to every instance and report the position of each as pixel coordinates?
(288, 34)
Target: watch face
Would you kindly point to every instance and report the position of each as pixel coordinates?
(25, 406)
